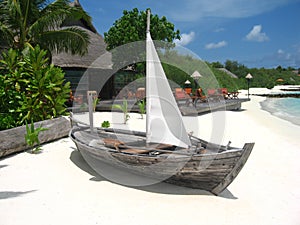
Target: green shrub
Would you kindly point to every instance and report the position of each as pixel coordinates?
(12, 89)
(105, 124)
(30, 88)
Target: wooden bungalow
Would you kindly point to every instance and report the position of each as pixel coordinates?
(93, 68)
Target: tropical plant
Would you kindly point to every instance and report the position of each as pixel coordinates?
(47, 91)
(142, 107)
(105, 124)
(35, 22)
(32, 136)
(30, 88)
(124, 109)
(13, 81)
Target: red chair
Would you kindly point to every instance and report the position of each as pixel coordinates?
(180, 94)
(224, 92)
(211, 92)
(188, 91)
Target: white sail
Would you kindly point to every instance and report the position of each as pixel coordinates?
(164, 121)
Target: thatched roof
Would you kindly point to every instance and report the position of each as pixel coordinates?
(96, 50)
(97, 56)
(228, 72)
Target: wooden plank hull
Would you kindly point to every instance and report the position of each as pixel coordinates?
(208, 170)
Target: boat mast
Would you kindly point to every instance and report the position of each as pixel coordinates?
(148, 21)
(148, 104)
(91, 95)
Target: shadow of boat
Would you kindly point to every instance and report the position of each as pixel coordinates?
(159, 187)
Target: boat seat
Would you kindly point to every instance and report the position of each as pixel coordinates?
(135, 151)
(112, 143)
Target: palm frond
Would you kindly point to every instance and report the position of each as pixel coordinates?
(74, 13)
(47, 22)
(72, 40)
(6, 35)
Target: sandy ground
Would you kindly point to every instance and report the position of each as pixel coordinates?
(58, 186)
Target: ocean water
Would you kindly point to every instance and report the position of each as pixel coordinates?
(284, 108)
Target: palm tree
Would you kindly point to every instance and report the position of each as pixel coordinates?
(35, 22)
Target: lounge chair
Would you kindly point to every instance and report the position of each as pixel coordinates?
(213, 95)
(225, 93)
(180, 95)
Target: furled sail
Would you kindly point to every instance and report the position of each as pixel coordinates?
(164, 121)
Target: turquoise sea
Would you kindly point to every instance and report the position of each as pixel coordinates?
(284, 108)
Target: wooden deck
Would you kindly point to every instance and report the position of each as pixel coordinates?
(186, 108)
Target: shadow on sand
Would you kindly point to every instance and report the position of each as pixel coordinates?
(13, 194)
(2, 166)
(160, 187)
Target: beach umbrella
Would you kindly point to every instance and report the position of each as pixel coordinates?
(279, 80)
(196, 75)
(187, 84)
(248, 77)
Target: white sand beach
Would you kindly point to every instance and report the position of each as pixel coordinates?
(58, 187)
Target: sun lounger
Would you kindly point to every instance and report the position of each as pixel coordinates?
(180, 95)
(225, 93)
(214, 95)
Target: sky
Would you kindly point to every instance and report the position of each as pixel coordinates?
(256, 33)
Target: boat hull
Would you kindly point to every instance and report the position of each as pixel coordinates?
(208, 171)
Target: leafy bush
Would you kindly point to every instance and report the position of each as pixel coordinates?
(30, 88)
(105, 124)
(12, 87)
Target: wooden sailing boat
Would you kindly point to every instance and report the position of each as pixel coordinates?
(165, 152)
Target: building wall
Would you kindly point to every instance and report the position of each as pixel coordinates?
(83, 80)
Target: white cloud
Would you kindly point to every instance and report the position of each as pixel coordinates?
(219, 30)
(186, 39)
(280, 51)
(283, 55)
(257, 35)
(216, 45)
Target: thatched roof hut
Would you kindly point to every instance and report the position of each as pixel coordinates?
(97, 58)
(96, 48)
(97, 61)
